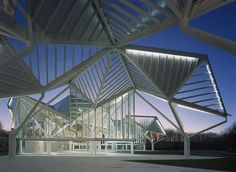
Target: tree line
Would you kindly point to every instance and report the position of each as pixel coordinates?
(210, 141)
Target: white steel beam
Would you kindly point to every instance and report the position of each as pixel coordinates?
(103, 79)
(174, 6)
(122, 20)
(177, 118)
(127, 71)
(140, 11)
(187, 9)
(196, 107)
(71, 74)
(202, 7)
(104, 101)
(216, 41)
(121, 10)
(51, 18)
(159, 112)
(181, 126)
(53, 40)
(104, 20)
(144, 73)
(209, 128)
(14, 132)
(82, 93)
(31, 75)
(75, 5)
(78, 24)
(154, 5)
(148, 31)
(40, 5)
(13, 33)
(17, 56)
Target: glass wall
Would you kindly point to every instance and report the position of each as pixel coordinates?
(111, 120)
(74, 124)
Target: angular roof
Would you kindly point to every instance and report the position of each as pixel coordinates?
(105, 74)
(47, 44)
(109, 22)
(15, 77)
(149, 124)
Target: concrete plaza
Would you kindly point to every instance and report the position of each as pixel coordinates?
(90, 163)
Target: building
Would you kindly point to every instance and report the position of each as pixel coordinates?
(83, 46)
(74, 126)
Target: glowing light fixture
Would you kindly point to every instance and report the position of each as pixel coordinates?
(156, 54)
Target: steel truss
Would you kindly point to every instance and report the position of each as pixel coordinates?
(88, 55)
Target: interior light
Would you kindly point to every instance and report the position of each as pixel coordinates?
(156, 54)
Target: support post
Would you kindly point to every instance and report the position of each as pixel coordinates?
(12, 144)
(113, 147)
(20, 147)
(183, 133)
(91, 147)
(48, 147)
(106, 147)
(132, 148)
(153, 146)
(70, 146)
(186, 146)
(95, 147)
(33, 112)
(158, 111)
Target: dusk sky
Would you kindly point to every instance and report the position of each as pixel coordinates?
(221, 22)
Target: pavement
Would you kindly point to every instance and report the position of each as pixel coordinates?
(89, 163)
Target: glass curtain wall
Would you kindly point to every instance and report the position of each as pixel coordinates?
(109, 121)
(76, 120)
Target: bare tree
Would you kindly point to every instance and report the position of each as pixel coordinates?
(1, 126)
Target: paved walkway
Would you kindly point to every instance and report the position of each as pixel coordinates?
(88, 163)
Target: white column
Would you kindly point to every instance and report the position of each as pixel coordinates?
(186, 146)
(20, 147)
(12, 144)
(95, 147)
(113, 147)
(106, 147)
(91, 147)
(70, 146)
(183, 133)
(152, 146)
(132, 148)
(48, 147)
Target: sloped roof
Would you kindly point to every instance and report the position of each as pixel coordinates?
(109, 22)
(50, 35)
(15, 78)
(149, 124)
(201, 91)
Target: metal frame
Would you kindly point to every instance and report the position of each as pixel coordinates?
(105, 77)
(99, 82)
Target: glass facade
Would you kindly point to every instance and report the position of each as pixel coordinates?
(75, 125)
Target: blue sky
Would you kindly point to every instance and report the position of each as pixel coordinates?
(220, 22)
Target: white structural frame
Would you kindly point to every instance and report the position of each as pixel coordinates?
(90, 63)
(114, 27)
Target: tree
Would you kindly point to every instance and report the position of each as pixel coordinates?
(1, 125)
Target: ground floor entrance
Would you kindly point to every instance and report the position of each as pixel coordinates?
(77, 147)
